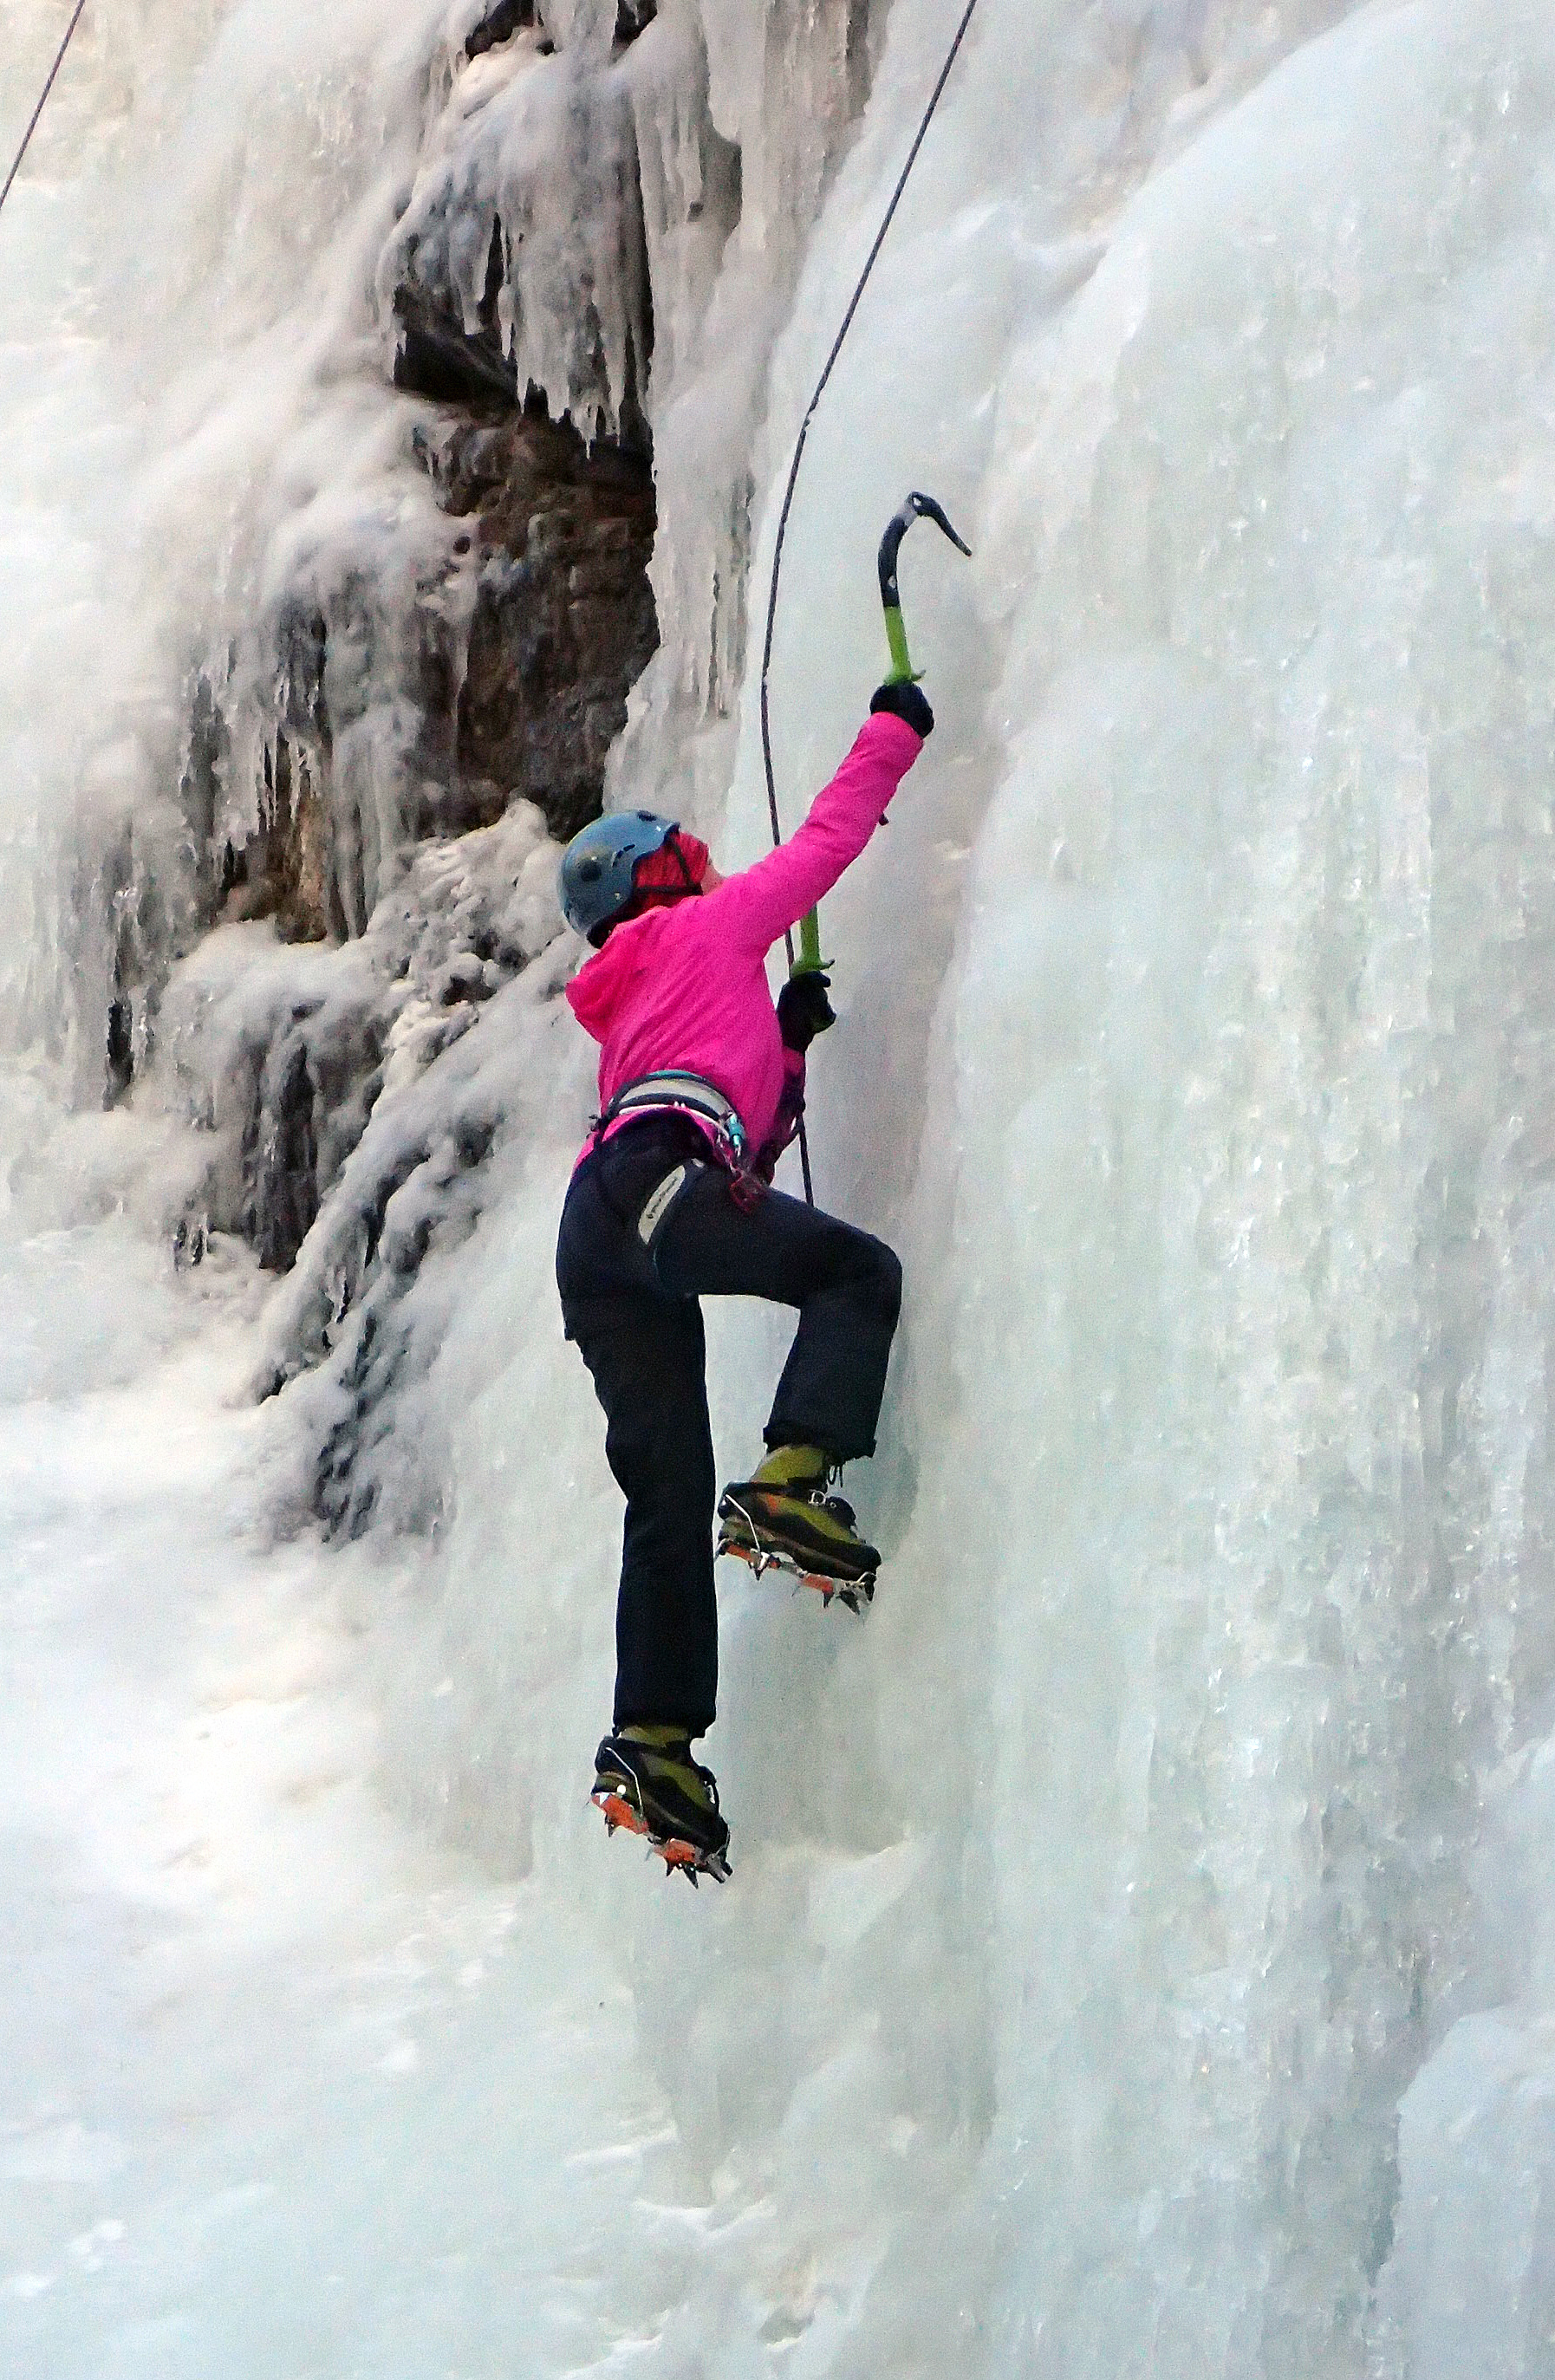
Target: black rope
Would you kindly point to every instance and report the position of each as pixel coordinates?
(42, 99)
(838, 345)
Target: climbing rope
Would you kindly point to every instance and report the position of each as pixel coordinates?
(838, 345)
(43, 99)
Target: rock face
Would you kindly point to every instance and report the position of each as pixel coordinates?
(515, 694)
(563, 620)
(512, 670)
(284, 870)
(287, 1055)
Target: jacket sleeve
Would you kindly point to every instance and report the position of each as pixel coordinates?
(763, 901)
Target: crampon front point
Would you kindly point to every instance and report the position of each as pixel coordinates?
(680, 1857)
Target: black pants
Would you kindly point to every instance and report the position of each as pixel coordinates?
(636, 1249)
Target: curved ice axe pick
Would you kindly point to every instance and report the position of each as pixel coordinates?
(917, 508)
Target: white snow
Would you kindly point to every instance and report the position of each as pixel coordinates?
(1140, 1957)
(241, 2010)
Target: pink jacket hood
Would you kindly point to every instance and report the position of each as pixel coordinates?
(596, 992)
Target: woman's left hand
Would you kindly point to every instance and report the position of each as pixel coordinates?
(803, 1009)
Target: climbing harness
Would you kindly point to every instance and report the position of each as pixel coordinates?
(808, 958)
(42, 99)
(672, 1091)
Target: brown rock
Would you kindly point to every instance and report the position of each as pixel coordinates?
(563, 621)
(286, 870)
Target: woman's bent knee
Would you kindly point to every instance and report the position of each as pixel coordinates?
(884, 1280)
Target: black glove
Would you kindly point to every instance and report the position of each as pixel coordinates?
(905, 700)
(803, 1008)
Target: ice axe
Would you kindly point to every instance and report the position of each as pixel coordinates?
(917, 508)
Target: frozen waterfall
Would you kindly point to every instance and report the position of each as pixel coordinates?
(1140, 1955)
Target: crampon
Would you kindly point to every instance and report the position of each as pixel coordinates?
(680, 1857)
(857, 1594)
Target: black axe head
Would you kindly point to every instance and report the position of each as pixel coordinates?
(918, 507)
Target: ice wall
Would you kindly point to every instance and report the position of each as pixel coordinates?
(198, 438)
(1270, 709)
(1105, 1896)
(1113, 1978)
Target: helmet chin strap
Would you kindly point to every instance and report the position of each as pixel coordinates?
(693, 883)
(690, 883)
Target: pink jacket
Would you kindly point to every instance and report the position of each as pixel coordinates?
(685, 985)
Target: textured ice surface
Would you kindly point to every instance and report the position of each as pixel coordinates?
(241, 2013)
(197, 439)
(1138, 1958)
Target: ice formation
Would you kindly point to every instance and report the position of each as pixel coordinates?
(1139, 1955)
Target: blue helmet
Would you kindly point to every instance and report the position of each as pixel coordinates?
(599, 866)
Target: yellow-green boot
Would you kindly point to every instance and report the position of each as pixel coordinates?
(784, 1515)
(645, 1779)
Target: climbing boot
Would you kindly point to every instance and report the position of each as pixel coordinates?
(646, 1780)
(784, 1519)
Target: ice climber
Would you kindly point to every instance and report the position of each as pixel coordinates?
(701, 1085)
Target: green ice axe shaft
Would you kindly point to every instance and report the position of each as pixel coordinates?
(917, 508)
